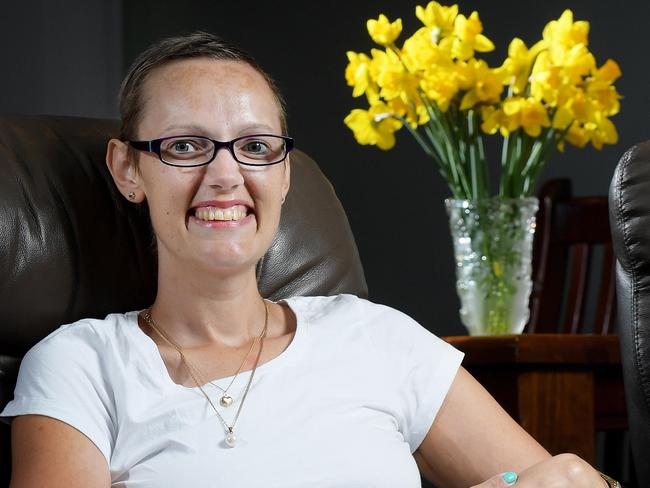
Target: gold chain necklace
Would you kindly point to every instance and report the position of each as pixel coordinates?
(231, 438)
(225, 400)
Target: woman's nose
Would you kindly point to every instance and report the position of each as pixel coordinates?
(224, 172)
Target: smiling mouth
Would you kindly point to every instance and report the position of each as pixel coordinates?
(209, 214)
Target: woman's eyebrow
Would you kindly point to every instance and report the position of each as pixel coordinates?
(186, 129)
(193, 129)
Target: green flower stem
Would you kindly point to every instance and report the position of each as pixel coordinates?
(533, 163)
(527, 145)
(507, 170)
(435, 140)
(442, 167)
(443, 164)
(484, 166)
(505, 159)
(512, 168)
(448, 152)
(547, 147)
(452, 150)
(430, 151)
(478, 167)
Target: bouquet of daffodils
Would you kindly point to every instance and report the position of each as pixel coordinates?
(435, 87)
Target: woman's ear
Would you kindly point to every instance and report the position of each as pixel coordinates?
(125, 174)
(286, 180)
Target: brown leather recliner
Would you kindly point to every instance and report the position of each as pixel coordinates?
(71, 246)
(629, 209)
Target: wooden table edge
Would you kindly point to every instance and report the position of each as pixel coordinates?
(576, 349)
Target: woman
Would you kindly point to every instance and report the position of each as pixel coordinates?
(214, 386)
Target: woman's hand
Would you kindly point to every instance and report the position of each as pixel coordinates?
(563, 470)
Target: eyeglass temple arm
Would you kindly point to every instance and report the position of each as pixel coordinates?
(143, 145)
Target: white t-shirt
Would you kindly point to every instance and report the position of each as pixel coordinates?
(344, 405)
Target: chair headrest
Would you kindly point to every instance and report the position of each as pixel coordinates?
(71, 246)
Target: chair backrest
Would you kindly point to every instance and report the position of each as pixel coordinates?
(72, 247)
(629, 206)
(573, 263)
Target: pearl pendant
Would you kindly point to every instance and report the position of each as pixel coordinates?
(231, 439)
(225, 400)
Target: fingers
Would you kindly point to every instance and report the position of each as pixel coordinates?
(561, 471)
(503, 480)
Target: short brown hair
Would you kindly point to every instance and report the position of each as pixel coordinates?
(195, 45)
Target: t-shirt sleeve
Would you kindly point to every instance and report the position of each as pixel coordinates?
(61, 377)
(422, 368)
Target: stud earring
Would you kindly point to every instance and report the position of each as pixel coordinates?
(131, 195)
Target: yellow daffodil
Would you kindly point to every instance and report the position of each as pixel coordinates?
(440, 20)
(437, 87)
(357, 72)
(579, 107)
(419, 53)
(533, 117)
(415, 112)
(440, 86)
(565, 33)
(392, 77)
(608, 72)
(483, 84)
(604, 133)
(384, 32)
(375, 126)
(591, 123)
(577, 63)
(519, 63)
(600, 132)
(517, 112)
(563, 117)
(599, 87)
(495, 119)
(468, 37)
(549, 83)
(577, 136)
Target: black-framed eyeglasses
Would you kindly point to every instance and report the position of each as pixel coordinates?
(189, 151)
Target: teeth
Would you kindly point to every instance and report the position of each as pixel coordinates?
(236, 212)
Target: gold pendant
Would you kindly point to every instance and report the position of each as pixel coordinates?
(225, 400)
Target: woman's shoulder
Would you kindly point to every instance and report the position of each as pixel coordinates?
(347, 321)
(85, 336)
(350, 310)
(316, 307)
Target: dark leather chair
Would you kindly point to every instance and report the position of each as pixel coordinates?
(629, 206)
(71, 246)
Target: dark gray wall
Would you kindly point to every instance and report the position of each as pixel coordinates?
(394, 199)
(66, 58)
(61, 58)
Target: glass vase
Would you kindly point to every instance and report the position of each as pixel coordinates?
(493, 240)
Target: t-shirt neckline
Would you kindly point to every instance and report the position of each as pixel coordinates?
(153, 353)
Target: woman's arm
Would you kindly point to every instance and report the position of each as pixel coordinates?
(473, 439)
(50, 453)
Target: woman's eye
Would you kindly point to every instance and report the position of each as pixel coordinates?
(183, 147)
(255, 147)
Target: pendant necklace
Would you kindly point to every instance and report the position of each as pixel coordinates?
(225, 400)
(231, 438)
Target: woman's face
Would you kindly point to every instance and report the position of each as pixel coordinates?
(223, 215)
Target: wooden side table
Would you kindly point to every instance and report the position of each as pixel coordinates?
(561, 388)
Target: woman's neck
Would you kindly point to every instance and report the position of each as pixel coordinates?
(198, 308)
